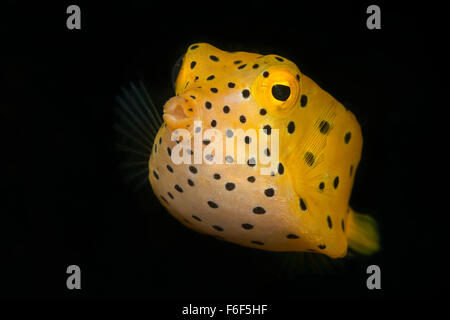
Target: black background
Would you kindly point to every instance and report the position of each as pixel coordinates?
(63, 202)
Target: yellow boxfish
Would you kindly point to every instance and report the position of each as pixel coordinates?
(263, 103)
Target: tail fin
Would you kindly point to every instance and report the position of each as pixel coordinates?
(362, 233)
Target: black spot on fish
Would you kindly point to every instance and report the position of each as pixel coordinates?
(193, 169)
(322, 246)
(226, 109)
(169, 151)
(195, 46)
(251, 162)
(246, 93)
(279, 59)
(169, 168)
(251, 179)
(247, 226)
(196, 218)
(321, 186)
(324, 127)
(330, 224)
(164, 199)
(214, 90)
(291, 127)
(302, 204)
(258, 242)
(347, 137)
(309, 158)
(265, 74)
(170, 195)
(237, 62)
(178, 188)
(342, 225)
(190, 182)
(208, 105)
(280, 168)
(269, 192)
(292, 236)
(213, 123)
(267, 129)
(336, 182)
(210, 77)
(255, 66)
(216, 176)
(230, 186)
(218, 228)
(263, 112)
(213, 205)
(242, 66)
(247, 140)
(259, 210)
(156, 175)
(303, 100)
(214, 58)
(242, 119)
(231, 85)
(193, 63)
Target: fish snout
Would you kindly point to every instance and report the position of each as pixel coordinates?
(179, 112)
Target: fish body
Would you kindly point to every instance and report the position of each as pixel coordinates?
(311, 147)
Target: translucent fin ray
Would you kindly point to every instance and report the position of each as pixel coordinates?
(137, 121)
(130, 110)
(152, 105)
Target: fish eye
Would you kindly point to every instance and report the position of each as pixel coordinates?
(176, 70)
(277, 89)
(281, 92)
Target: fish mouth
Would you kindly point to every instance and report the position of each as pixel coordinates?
(178, 113)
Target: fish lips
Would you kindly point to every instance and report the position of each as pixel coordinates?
(180, 112)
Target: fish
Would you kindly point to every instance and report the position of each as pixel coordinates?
(286, 190)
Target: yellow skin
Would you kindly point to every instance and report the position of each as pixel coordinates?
(325, 143)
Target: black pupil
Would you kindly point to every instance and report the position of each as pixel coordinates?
(175, 70)
(281, 92)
